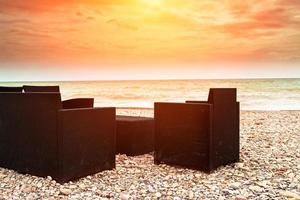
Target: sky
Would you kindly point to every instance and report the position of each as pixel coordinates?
(148, 39)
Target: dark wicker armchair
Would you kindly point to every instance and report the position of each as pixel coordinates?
(38, 137)
(198, 134)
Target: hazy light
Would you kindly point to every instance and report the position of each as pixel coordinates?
(153, 2)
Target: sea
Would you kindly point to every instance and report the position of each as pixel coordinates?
(253, 94)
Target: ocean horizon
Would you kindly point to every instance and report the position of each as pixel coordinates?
(254, 94)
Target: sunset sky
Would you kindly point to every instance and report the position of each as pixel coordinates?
(148, 39)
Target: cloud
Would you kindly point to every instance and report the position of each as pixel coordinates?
(129, 29)
(294, 3)
(122, 24)
(37, 5)
(261, 23)
(276, 14)
(14, 21)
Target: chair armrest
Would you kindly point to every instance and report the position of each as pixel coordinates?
(181, 114)
(10, 89)
(78, 103)
(188, 105)
(86, 140)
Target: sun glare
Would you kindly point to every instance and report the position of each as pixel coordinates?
(153, 2)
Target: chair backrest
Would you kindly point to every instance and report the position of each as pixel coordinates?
(10, 89)
(28, 132)
(224, 95)
(225, 124)
(30, 88)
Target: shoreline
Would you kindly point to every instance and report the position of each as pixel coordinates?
(149, 112)
(146, 108)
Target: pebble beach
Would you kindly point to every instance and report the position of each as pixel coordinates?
(269, 168)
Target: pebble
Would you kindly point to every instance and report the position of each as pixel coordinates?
(191, 195)
(289, 194)
(124, 196)
(39, 185)
(151, 189)
(81, 186)
(73, 186)
(2, 176)
(255, 188)
(65, 191)
(235, 185)
(158, 194)
(27, 189)
(240, 198)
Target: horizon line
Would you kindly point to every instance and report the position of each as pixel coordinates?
(174, 79)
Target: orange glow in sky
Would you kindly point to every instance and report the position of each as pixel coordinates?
(124, 34)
